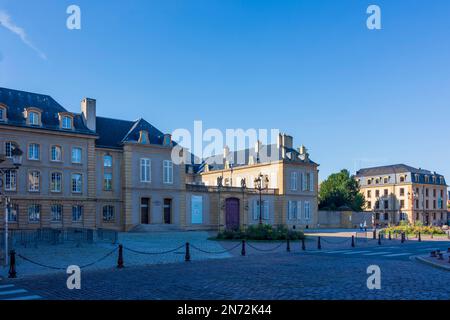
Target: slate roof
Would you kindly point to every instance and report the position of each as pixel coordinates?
(16, 102)
(391, 169)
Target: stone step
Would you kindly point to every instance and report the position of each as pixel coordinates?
(144, 228)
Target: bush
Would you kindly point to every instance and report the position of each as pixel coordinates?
(410, 229)
(261, 232)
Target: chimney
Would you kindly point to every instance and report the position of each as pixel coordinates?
(287, 141)
(226, 152)
(89, 113)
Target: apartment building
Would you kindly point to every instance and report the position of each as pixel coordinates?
(398, 193)
(86, 171)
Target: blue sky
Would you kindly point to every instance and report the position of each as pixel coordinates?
(354, 97)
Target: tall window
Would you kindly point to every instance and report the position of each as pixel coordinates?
(56, 213)
(77, 183)
(107, 181)
(67, 122)
(168, 172)
(13, 213)
(9, 147)
(77, 213)
(107, 161)
(10, 180)
(33, 151)
(145, 170)
(55, 182)
(108, 213)
(264, 209)
(33, 118)
(34, 213)
(402, 192)
(34, 181)
(56, 153)
(292, 210)
(307, 212)
(294, 181)
(76, 155)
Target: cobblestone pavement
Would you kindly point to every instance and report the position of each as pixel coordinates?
(271, 276)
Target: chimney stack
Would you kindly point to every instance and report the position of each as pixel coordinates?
(89, 113)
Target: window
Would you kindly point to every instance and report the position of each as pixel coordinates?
(10, 180)
(34, 181)
(56, 213)
(56, 153)
(34, 213)
(377, 205)
(369, 181)
(427, 204)
(292, 210)
(76, 155)
(13, 213)
(427, 192)
(108, 213)
(145, 170)
(67, 122)
(107, 181)
(77, 183)
(369, 194)
(309, 181)
(434, 204)
(77, 213)
(402, 204)
(2, 114)
(417, 204)
(386, 180)
(434, 193)
(402, 192)
(369, 204)
(377, 193)
(386, 204)
(427, 179)
(386, 192)
(33, 151)
(107, 161)
(264, 209)
(402, 179)
(168, 172)
(307, 212)
(9, 147)
(294, 181)
(33, 118)
(55, 182)
(403, 216)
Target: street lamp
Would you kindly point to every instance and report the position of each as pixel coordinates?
(219, 208)
(261, 183)
(16, 157)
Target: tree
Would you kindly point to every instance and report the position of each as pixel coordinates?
(340, 190)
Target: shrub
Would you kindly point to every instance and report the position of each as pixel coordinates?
(410, 229)
(261, 232)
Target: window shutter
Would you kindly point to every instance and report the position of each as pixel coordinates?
(255, 210)
(305, 182)
(299, 210)
(266, 209)
(311, 184)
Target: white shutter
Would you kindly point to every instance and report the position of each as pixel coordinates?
(311, 184)
(255, 210)
(305, 182)
(299, 210)
(266, 209)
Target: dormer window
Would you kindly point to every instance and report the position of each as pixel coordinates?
(67, 122)
(167, 141)
(33, 116)
(143, 137)
(2, 113)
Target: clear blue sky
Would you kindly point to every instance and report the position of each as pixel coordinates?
(354, 97)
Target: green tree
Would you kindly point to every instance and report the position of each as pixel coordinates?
(340, 190)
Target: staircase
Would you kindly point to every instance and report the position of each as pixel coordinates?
(154, 228)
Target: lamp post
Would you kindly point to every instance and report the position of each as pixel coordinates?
(219, 208)
(16, 156)
(243, 188)
(259, 184)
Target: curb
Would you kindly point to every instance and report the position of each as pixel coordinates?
(433, 264)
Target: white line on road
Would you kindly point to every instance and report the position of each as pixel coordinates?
(4, 293)
(5, 286)
(376, 253)
(398, 254)
(356, 252)
(339, 251)
(24, 298)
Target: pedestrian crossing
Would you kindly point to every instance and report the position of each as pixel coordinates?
(11, 292)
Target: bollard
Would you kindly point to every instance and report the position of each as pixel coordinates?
(432, 235)
(187, 257)
(403, 237)
(375, 234)
(433, 254)
(243, 248)
(390, 237)
(441, 256)
(420, 237)
(379, 239)
(120, 259)
(288, 245)
(12, 265)
(448, 259)
(304, 247)
(448, 250)
(353, 241)
(319, 245)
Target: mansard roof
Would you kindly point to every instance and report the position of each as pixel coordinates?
(17, 101)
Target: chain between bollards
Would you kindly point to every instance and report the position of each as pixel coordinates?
(187, 257)
(319, 245)
(12, 265)
(120, 259)
(243, 248)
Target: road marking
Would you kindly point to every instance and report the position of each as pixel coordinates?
(339, 251)
(356, 252)
(24, 298)
(5, 286)
(398, 254)
(375, 253)
(4, 293)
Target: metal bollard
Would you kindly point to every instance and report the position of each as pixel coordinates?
(353, 241)
(432, 235)
(304, 247)
(12, 265)
(243, 248)
(187, 257)
(379, 239)
(441, 256)
(433, 254)
(403, 238)
(120, 259)
(420, 238)
(319, 245)
(390, 236)
(448, 250)
(288, 245)
(375, 234)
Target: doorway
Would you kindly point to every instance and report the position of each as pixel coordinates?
(145, 210)
(232, 214)
(167, 211)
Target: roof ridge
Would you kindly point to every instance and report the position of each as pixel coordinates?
(29, 92)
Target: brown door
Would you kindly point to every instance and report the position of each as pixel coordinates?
(167, 211)
(145, 210)
(232, 214)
